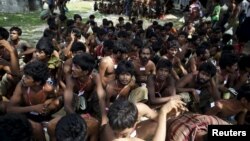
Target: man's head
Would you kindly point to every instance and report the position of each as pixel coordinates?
(35, 73)
(4, 34)
(172, 48)
(15, 32)
(163, 69)
(228, 62)
(71, 127)
(202, 52)
(15, 127)
(83, 64)
(244, 95)
(77, 18)
(78, 48)
(145, 54)
(122, 116)
(124, 72)
(44, 49)
(206, 72)
(121, 51)
(244, 64)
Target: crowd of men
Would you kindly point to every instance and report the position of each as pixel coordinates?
(125, 82)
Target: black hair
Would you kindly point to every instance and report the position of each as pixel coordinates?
(244, 62)
(15, 28)
(37, 70)
(125, 67)
(91, 16)
(208, 67)
(15, 127)
(200, 50)
(227, 60)
(4, 34)
(70, 22)
(77, 32)
(45, 45)
(71, 127)
(244, 92)
(146, 47)
(122, 114)
(77, 46)
(137, 42)
(77, 16)
(164, 63)
(85, 61)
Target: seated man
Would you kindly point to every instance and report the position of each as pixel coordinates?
(201, 86)
(33, 96)
(161, 86)
(232, 107)
(123, 120)
(143, 68)
(123, 84)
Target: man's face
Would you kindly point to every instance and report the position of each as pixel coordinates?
(27, 81)
(76, 71)
(124, 78)
(233, 68)
(145, 55)
(203, 77)
(40, 55)
(172, 51)
(14, 35)
(162, 73)
(206, 55)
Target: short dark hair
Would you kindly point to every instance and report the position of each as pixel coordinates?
(85, 61)
(77, 16)
(146, 47)
(77, 46)
(125, 67)
(4, 34)
(244, 62)
(37, 70)
(71, 127)
(15, 127)
(208, 67)
(164, 63)
(45, 45)
(15, 28)
(227, 60)
(77, 32)
(200, 50)
(122, 114)
(244, 92)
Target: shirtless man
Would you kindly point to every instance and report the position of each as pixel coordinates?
(227, 74)
(162, 85)
(124, 120)
(143, 68)
(201, 86)
(11, 68)
(33, 96)
(23, 47)
(170, 54)
(202, 55)
(232, 107)
(82, 85)
(108, 64)
(123, 84)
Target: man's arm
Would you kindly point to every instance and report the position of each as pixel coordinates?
(16, 100)
(151, 92)
(101, 96)
(102, 69)
(216, 109)
(180, 85)
(145, 111)
(15, 69)
(68, 95)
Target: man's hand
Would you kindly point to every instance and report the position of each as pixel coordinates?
(6, 45)
(173, 107)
